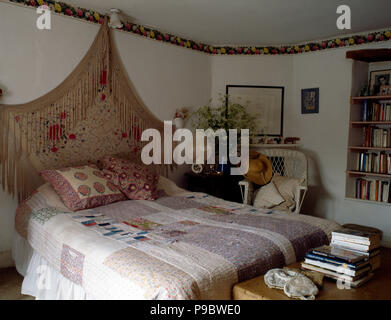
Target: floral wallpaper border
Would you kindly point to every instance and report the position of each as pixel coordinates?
(96, 17)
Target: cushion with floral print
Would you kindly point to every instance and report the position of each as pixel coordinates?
(83, 187)
(136, 181)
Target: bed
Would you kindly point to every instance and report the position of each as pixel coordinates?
(184, 245)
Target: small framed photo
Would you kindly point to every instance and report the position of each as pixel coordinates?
(378, 79)
(385, 90)
(310, 100)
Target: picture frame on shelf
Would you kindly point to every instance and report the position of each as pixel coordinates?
(377, 79)
(267, 101)
(310, 100)
(385, 90)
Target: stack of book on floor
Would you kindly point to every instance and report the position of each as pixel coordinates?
(360, 242)
(351, 257)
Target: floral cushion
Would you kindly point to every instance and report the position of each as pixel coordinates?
(136, 181)
(83, 187)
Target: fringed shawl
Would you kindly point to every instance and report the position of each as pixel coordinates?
(95, 111)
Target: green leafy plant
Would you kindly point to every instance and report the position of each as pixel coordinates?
(221, 117)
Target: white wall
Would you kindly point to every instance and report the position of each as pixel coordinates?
(33, 62)
(324, 136)
(251, 70)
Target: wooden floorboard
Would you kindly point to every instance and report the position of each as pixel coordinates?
(11, 284)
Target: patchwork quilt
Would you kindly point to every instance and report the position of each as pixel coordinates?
(181, 246)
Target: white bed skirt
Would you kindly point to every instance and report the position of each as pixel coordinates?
(40, 279)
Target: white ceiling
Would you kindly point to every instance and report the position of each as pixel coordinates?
(249, 22)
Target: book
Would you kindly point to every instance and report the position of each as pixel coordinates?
(356, 283)
(355, 246)
(372, 189)
(342, 238)
(360, 282)
(368, 254)
(357, 235)
(332, 274)
(337, 263)
(364, 110)
(338, 269)
(339, 254)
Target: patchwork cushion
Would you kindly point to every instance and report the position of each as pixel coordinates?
(136, 181)
(83, 187)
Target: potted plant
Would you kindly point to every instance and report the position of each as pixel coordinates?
(181, 114)
(227, 115)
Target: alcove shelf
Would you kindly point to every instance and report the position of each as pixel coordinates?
(384, 97)
(357, 179)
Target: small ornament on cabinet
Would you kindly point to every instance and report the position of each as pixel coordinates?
(197, 168)
(181, 114)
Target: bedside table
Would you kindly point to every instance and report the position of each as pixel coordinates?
(218, 185)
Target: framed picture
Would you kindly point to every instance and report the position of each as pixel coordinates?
(378, 79)
(385, 90)
(266, 101)
(310, 100)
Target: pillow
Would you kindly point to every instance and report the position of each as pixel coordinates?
(287, 187)
(83, 187)
(267, 196)
(136, 181)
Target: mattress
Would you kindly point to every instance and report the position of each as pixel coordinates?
(183, 245)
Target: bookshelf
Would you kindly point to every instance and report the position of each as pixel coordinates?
(368, 174)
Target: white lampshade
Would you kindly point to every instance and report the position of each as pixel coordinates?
(115, 21)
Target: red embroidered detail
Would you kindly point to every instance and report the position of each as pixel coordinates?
(103, 97)
(72, 136)
(55, 131)
(137, 133)
(54, 149)
(103, 78)
(124, 135)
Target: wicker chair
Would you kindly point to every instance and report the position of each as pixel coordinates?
(288, 163)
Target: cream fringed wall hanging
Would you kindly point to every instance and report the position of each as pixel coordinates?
(94, 112)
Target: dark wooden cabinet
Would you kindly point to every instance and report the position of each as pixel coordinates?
(221, 186)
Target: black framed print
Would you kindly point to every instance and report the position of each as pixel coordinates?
(310, 100)
(266, 101)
